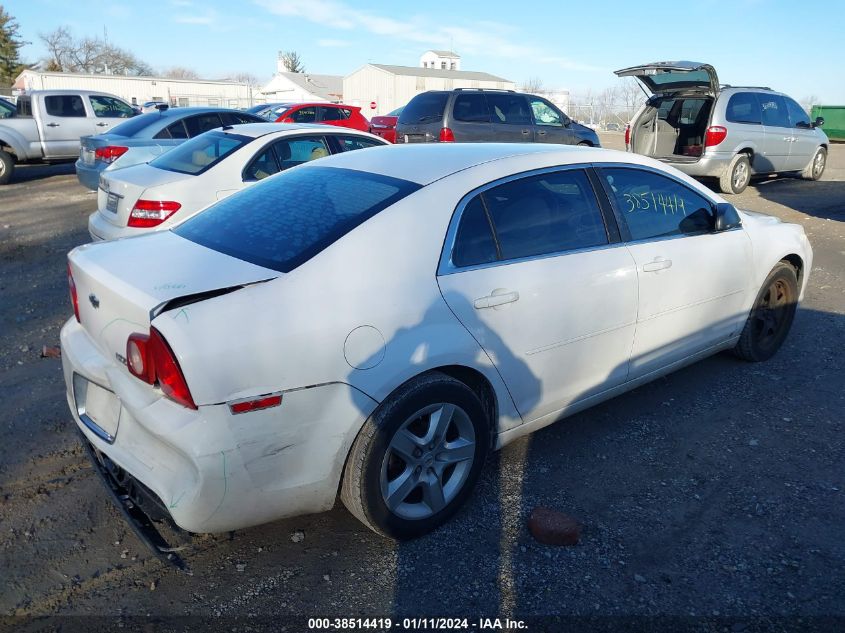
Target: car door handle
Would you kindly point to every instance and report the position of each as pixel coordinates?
(52, 125)
(540, 132)
(657, 264)
(102, 124)
(527, 132)
(498, 297)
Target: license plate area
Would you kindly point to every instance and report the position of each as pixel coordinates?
(112, 202)
(98, 408)
(87, 156)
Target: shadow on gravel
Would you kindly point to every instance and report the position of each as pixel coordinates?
(821, 199)
(27, 173)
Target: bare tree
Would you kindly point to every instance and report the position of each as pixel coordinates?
(245, 78)
(180, 72)
(630, 96)
(291, 61)
(65, 53)
(532, 85)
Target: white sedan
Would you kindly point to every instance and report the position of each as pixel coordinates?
(376, 322)
(207, 168)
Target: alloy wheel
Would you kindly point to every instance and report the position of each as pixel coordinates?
(740, 176)
(428, 461)
(771, 314)
(818, 165)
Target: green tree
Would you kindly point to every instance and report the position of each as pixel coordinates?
(10, 46)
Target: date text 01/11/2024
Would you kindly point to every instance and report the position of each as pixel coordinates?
(415, 624)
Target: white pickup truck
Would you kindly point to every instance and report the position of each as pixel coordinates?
(46, 125)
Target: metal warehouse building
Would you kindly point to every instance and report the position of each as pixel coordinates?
(137, 90)
(392, 86)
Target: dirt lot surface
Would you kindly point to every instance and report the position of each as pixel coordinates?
(716, 492)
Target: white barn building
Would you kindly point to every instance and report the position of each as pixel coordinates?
(303, 87)
(389, 87)
(444, 60)
(137, 90)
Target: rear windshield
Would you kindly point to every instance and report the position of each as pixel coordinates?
(134, 125)
(427, 106)
(201, 152)
(287, 219)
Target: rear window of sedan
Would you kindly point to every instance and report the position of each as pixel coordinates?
(134, 125)
(287, 219)
(200, 153)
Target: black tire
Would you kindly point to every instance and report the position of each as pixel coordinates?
(736, 176)
(7, 167)
(585, 144)
(371, 457)
(815, 168)
(771, 317)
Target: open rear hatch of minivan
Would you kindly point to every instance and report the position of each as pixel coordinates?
(673, 125)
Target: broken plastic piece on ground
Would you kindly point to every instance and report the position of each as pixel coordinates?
(553, 528)
(51, 351)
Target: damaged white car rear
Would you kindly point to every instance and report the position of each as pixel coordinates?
(375, 323)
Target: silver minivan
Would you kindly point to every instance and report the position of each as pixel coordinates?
(731, 133)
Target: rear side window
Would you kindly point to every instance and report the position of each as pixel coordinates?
(510, 109)
(7, 110)
(200, 123)
(201, 153)
(334, 114)
(428, 106)
(236, 118)
(472, 108)
(64, 106)
(655, 206)
(262, 166)
(743, 107)
(110, 108)
(296, 151)
(284, 221)
(349, 143)
(774, 110)
(474, 242)
(136, 124)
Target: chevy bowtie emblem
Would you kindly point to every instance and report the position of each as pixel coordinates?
(94, 301)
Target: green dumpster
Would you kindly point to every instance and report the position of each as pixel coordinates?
(834, 120)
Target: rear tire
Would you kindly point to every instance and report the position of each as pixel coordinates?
(7, 167)
(771, 317)
(736, 176)
(815, 168)
(417, 458)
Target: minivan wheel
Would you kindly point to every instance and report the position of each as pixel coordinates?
(737, 175)
(815, 168)
(417, 458)
(771, 317)
(7, 167)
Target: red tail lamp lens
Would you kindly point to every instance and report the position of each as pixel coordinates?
(149, 213)
(715, 135)
(446, 135)
(151, 359)
(74, 299)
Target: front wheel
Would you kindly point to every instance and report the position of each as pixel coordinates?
(417, 458)
(771, 317)
(737, 175)
(815, 168)
(7, 167)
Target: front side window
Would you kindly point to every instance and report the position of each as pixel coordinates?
(656, 206)
(295, 151)
(744, 107)
(64, 105)
(471, 108)
(797, 115)
(544, 113)
(349, 143)
(284, 221)
(304, 115)
(201, 153)
(774, 110)
(110, 108)
(510, 109)
(7, 110)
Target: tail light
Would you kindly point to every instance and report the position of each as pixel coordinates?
(446, 135)
(627, 135)
(74, 299)
(147, 213)
(110, 153)
(151, 359)
(715, 135)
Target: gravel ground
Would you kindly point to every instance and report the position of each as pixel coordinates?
(715, 492)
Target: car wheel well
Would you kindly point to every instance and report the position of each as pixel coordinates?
(748, 152)
(798, 264)
(5, 147)
(476, 381)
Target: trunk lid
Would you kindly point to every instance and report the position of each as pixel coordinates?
(122, 285)
(669, 77)
(120, 189)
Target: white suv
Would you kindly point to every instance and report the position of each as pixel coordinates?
(725, 132)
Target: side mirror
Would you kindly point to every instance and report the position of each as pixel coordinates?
(818, 122)
(161, 107)
(727, 217)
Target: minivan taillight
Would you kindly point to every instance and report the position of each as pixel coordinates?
(74, 299)
(148, 213)
(110, 153)
(627, 135)
(446, 135)
(715, 135)
(151, 359)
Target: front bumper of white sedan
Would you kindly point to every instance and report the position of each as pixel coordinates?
(210, 470)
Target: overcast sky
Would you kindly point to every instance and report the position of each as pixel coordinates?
(792, 47)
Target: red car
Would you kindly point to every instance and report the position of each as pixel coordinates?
(385, 126)
(326, 113)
